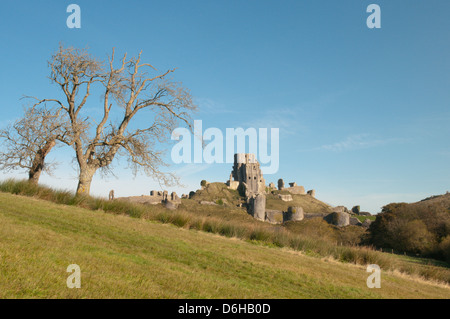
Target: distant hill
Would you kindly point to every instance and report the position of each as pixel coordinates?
(443, 200)
(421, 228)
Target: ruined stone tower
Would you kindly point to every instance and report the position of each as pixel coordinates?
(246, 170)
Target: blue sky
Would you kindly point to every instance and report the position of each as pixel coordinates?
(363, 113)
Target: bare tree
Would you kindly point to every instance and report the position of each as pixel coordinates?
(131, 89)
(27, 142)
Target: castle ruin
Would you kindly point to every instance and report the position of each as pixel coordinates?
(247, 173)
(246, 170)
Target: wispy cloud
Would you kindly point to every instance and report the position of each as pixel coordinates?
(285, 119)
(209, 106)
(359, 141)
(191, 169)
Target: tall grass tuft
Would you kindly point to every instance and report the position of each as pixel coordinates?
(211, 226)
(180, 219)
(260, 234)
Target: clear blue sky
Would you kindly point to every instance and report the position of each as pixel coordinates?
(363, 113)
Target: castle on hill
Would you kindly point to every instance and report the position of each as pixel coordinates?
(246, 170)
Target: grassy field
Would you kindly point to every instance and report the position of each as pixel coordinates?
(129, 257)
(309, 237)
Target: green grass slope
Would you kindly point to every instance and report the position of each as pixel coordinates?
(215, 192)
(123, 257)
(309, 204)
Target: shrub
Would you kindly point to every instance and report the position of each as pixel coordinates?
(414, 228)
(351, 235)
(415, 237)
(444, 247)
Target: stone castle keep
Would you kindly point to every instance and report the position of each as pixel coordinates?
(246, 170)
(247, 173)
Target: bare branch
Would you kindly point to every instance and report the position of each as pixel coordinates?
(27, 142)
(131, 89)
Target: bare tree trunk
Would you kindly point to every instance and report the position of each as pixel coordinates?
(38, 163)
(33, 177)
(85, 180)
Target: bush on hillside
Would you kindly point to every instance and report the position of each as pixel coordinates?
(444, 247)
(351, 235)
(418, 228)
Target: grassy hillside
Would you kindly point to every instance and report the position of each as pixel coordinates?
(219, 193)
(235, 222)
(442, 200)
(309, 204)
(128, 257)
